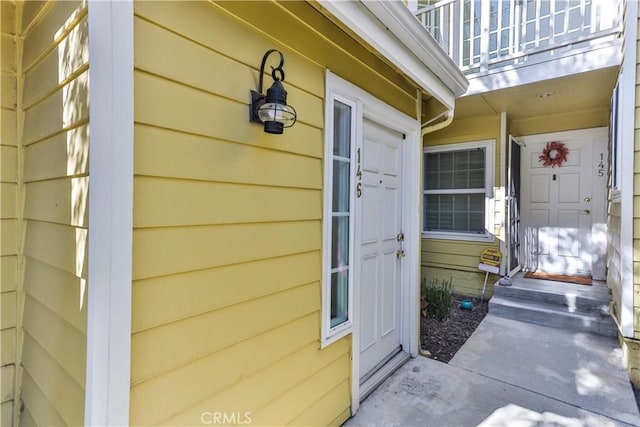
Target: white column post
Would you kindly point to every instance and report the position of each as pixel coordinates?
(627, 109)
(110, 213)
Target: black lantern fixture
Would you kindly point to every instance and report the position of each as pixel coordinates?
(272, 109)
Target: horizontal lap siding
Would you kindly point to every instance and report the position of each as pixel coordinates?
(55, 175)
(227, 230)
(228, 219)
(576, 119)
(636, 204)
(614, 257)
(8, 210)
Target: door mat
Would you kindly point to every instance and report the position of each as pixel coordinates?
(578, 280)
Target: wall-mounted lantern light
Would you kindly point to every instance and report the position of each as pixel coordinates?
(272, 109)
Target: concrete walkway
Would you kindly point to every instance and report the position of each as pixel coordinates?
(510, 373)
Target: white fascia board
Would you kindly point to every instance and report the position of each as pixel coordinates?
(110, 213)
(391, 29)
(578, 61)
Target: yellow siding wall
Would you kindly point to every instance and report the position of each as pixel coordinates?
(581, 119)
(8, 210)
(227, 219)
(459, 259)
(631, 345)
(613, 254)
(55, 174)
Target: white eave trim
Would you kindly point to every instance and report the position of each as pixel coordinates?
(391, 29)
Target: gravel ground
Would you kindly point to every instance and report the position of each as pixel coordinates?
(443, 338)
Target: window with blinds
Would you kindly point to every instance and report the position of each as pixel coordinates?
(456, 187)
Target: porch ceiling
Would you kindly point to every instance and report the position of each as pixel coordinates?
(578, 92)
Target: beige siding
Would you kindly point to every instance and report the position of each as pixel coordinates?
(630, 345)
(55, 180)
(8, 210)
(578, 119)
(227, 219)
(613, 255)
(458, 259)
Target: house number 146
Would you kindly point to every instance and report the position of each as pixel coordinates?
(358, 175)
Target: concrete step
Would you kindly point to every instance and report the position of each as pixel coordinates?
(573, 298)
(552, 314)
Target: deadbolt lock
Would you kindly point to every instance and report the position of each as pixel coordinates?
(587, 199)
(400, 237)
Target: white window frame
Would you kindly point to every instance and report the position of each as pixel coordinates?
(615, 144)
(332, 334)
(489, 208)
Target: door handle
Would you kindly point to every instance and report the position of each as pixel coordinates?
(400, 254)
(586, 212)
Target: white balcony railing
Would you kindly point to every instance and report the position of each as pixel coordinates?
(480, 35)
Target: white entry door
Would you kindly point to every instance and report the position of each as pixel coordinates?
(380, 247)
(557, 209)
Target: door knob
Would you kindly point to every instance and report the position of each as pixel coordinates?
(586, 212)
(399, 254)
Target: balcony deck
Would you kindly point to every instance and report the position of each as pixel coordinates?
(505, 43)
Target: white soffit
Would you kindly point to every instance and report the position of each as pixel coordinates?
(394, 31)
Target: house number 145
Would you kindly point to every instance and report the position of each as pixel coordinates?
(601, 165)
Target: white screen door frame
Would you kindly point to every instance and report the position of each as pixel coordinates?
(513, 207)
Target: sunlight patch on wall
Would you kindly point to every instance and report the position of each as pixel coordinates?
(73, 58)
(73, 51)
(79, 198)
(75, 99)
(77, 150)
(81, 245)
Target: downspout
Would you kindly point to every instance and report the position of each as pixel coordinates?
(448, 115)
(425, 129)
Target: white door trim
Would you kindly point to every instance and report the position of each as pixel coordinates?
(376, 110)
(598, 198)
(110, 213)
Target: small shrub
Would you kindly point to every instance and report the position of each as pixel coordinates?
(438, 297)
